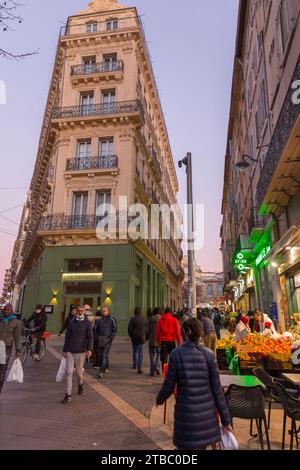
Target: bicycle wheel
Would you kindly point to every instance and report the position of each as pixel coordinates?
(24, 351)
(42, 350)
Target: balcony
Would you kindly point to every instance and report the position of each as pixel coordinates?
(103, 111)
(92, 163)
(60, 222)
(281, 166)
(96, 72)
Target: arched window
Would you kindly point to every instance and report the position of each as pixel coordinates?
(220, 290)
(210, 290)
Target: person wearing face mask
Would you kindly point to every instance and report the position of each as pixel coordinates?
(78, 346)
(10, 335)
(39, 319)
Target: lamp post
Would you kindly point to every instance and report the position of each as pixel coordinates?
(187, 161)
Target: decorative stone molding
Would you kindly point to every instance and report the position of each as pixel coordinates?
(102, 5)
(125, 136)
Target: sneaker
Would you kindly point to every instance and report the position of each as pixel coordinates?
(80, 389)
(106, 371)
(101, 375)
(157, 372)
(36, 357)
(66, 399)
(140, 371)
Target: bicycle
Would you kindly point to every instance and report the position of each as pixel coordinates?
(28, 346)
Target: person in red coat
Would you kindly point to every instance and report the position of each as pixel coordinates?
(167, 334)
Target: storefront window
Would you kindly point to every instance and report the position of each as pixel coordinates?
(84, 265)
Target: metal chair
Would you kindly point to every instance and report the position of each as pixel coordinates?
(291, 408)
(249, 403)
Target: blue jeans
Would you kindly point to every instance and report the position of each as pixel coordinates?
(154, 354)
(138, 354)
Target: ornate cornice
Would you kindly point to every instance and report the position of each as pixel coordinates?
(102, 5)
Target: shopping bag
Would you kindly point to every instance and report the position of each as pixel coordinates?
(16, 372)
(234, 365)
(2, 353)
(228, 440)
(62, 370)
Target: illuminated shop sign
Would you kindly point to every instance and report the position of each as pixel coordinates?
(241, 262)
(75, 277)
(262, 255)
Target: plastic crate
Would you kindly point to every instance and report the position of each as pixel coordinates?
(221, 359)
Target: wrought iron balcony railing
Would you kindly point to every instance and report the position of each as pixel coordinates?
(286, 121)
(91, 163)
(119, 107)
(102, 67)
(56, 222)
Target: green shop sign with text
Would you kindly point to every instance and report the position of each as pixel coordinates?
(261, 257)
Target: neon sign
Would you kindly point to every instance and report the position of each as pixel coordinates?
(262, 254)
(241, 262)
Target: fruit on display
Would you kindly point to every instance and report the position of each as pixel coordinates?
(227, 342)
(266, 345)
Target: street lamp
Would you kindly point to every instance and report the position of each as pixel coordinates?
(187, 161)
(243, 164)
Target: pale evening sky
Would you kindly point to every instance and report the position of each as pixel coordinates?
(191, 44)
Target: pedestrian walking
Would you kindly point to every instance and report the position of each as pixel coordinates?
(78, 345)
(167, 333)
(10, 335)
(217, 319)
(95, 355)
(193, 370)
(210, 337)
(39, 319)
(154, 346)
(137, 331)
(106, 330)
(69, 318)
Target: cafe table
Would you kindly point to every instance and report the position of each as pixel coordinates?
(241, 380)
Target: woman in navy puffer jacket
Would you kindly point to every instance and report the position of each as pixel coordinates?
(199, 397)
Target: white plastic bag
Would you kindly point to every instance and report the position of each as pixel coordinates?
(2, 353)
(228, 440)
(16, 372)
(62, 370)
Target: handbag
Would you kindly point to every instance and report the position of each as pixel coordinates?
(228, 440)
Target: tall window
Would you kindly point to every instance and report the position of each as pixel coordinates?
(111, 25)
(79, 209)
(84, 149)
(106, 147)
(210, 290)
(91, 27)
(89, 64)
(87, 103)
(220, 290)
(108, 101)
(286, 21)
(110, 62)
(103, 202)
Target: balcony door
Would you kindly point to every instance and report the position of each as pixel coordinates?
(84, 153)
(103, 202)
(106, 150)
(79, 210)
(87, 104)
(108, 101)
(89, 65)
(110, 62)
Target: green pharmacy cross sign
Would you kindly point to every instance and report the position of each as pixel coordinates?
(241, 262)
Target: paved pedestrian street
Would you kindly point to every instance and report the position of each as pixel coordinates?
(117, 413)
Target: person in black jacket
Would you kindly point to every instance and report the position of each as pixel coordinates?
(69, 318)
(138, 330)
(39, 319)
(78, 345)
(194, 370)
(105, 331)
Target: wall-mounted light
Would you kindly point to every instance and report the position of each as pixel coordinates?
(274, 264)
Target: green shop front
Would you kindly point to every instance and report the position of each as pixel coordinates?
(116, 276)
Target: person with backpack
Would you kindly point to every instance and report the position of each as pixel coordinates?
(138, 331)
(167, 333)
(154, 349)
(193, 371)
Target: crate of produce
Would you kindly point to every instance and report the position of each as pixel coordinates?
(278, 361)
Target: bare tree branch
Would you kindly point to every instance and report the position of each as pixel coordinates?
(9, 16)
